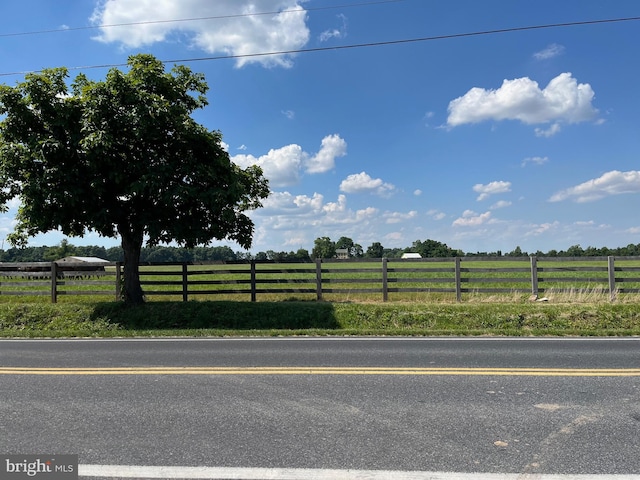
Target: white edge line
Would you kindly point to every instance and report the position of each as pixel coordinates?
(231, 473)
(351, 338)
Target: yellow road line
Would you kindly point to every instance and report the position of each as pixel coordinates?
(540, 372)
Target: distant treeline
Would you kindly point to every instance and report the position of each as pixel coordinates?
(428, 248)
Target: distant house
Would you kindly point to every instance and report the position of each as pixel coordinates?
(411, 255)
(342, 253)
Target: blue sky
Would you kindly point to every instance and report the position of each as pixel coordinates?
(487, 142)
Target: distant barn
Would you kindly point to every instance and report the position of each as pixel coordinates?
(82, 264)
(411, 255)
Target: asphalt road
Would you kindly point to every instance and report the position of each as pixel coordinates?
(519, 406)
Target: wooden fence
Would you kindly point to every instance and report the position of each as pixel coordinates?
(327, 279)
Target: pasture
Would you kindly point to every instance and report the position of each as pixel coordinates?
(432, 297)
(452, 280)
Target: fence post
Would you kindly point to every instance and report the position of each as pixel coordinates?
(318, 279)
(534, 275)
(458, 281)
(185, 282)
(385, 284)
(118, 281)
(612, 278)
(253, 281)
(54, 282)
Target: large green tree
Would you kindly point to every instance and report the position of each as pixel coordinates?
(323, 247)
(432, 248)
(375, 250)
(122, 157)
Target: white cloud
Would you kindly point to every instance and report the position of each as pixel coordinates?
(611, 183)
(436, 214)
(543, 228)
(281, 166)
(339, 32)
(472, 219)
(286, 203)
(563, 100)
(535, 161)
(551, 51)
(491, 189)
(290, 114)
(417, 192)
(339, 206)
(302, 211)
(584, 223)
(332, 147)
(284, 166)
(398, 217)
(237, 29)
(363, 183)
(549, 132)
(500, 204)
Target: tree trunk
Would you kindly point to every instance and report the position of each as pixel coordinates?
(132, 246)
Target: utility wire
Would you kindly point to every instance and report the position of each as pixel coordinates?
(179, 20)
(360, 45)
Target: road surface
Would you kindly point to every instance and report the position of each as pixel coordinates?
(326, 408)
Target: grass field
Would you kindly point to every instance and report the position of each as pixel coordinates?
(496, 301)
(434, 281)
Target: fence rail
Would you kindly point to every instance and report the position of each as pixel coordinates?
(325, 279)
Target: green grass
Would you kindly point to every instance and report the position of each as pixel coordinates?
(577, 308)
(228, 318)
(481, 282)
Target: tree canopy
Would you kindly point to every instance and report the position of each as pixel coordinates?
(323, 247)
(122, 157)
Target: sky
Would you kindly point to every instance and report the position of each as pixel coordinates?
(430, 125)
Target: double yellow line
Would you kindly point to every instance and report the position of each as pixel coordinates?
(478, 371)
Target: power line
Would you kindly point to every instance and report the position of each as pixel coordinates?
(180, 20)
(359, 45)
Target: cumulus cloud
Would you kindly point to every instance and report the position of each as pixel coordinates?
(551, 51)
(611, 183)
(417, 192)
(332, 147)
(281, 166)
(296, 215)
(562, 100)
(472, 219)
(492, 188)
(363, 183)
(285, 202)
(232, 27)
(284, 166)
